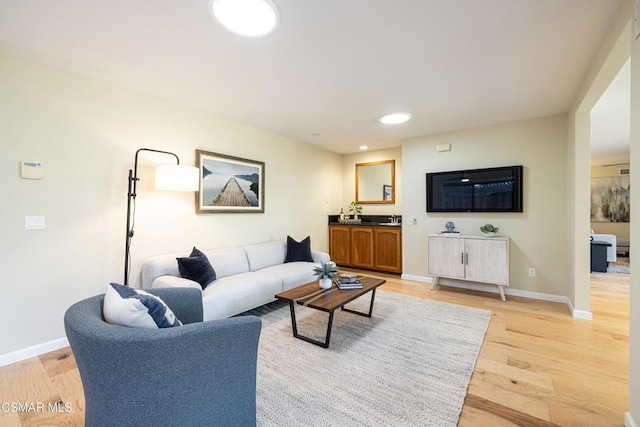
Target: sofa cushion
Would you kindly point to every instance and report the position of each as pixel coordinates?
(236, 294)
(228, 261)
(196, 267)
(265, 254)
(298, 251)
(292, 274)
(125, 306)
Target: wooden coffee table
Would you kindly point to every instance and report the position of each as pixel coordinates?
(328, 300)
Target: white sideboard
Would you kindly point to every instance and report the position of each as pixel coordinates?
(469, 257)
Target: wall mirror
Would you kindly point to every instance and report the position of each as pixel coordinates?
(376, 182)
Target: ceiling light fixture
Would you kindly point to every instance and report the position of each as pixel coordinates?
(251, 18)
(364, 147)
(395, 118)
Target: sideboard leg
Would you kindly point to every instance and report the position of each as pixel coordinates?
(434, 281)
(502, 296)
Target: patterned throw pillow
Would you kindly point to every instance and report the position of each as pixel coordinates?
(135, 308)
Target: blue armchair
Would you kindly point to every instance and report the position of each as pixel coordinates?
(199, 374)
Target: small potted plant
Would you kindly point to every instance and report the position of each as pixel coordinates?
(325, 273)
(355, 209)
(489, 230)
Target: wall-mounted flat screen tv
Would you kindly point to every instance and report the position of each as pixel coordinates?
(475, 190)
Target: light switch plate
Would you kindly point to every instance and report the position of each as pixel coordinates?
(33, 222)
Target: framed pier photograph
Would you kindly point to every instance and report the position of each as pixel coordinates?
(229, 184)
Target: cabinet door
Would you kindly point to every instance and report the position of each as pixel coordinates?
(340, 244)
(388, 249)
(487, 260)
(446, 256)
(362, 247)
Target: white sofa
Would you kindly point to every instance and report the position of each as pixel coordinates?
(247, 276)
(609, 238)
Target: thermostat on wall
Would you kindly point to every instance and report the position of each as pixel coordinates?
(31, 170)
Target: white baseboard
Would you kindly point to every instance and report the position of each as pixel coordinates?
(579, 314)
(424, 279)
(29, 352)
(628, 420)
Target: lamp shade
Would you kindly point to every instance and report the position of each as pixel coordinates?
(177, 178)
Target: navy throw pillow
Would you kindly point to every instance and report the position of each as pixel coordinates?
(197, 267)
(298, 251)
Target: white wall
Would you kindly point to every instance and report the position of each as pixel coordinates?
(86, 134)
(537, 234)
(611, 56)
(614, 51)
(634, 319)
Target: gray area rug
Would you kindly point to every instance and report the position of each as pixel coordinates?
(620, 266)
(408, 365)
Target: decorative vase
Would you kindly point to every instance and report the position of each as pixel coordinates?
(325, 283)
(491, 234)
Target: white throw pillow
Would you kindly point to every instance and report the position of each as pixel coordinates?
(135, 308)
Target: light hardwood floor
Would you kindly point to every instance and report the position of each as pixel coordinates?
(537, 366)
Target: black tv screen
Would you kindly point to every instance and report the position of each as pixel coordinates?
(475, 190)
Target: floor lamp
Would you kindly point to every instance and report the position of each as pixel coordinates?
(168, 177)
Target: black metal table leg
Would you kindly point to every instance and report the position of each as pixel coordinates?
(373, 296)
(294, 325)
(325, 344)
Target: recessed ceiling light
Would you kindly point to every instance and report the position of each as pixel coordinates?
(395, 118)
(251, 18)
(364, 147)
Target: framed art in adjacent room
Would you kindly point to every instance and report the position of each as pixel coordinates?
(229, 184)
(386, 192)
(610, 199)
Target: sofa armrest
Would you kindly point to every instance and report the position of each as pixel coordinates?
(320, 256)
(174, 282)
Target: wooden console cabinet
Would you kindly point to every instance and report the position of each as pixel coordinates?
(368, 247)
(473, 258)
(340, 244)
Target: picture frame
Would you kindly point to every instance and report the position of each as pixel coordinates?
(610, 199)
(386, 192)
(229, 184)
